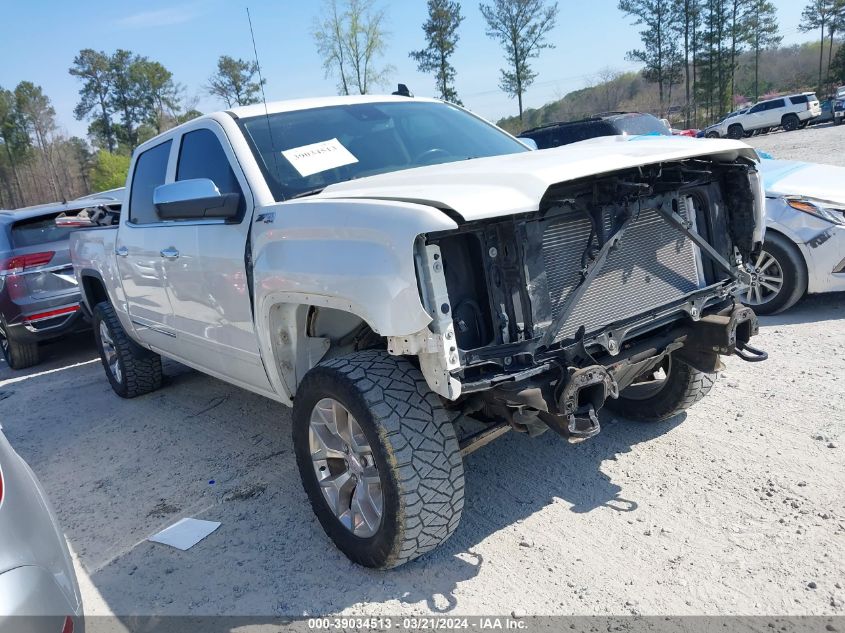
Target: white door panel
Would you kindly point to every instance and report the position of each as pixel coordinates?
(142, 277)
(212, 312)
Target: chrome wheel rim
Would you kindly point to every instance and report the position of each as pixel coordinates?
(110, 353)
(650, 383)
(767, 280)
(345, 468)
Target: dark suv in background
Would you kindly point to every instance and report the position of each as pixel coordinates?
(607, 124)
(39, 296)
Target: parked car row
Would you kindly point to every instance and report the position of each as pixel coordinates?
(791, 112)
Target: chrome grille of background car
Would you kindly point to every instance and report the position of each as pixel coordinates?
(654, 265)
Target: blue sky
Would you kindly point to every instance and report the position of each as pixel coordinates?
(41, 37)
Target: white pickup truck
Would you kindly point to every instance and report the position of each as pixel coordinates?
(414, 281)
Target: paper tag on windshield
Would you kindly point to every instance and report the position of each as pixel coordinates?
(317, 157)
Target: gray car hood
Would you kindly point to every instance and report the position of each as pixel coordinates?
(515, 183)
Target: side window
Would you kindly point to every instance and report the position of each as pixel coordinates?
(150, 172)
(798, 99)
(202, 156)
(758, 108)
(774, 105)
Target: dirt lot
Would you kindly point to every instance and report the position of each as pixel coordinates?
(818, 143)
(737, 507)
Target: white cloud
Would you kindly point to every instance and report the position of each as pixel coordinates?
(160, 17)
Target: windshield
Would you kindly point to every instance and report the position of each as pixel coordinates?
(303, 151)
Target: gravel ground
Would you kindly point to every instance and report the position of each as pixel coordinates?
(734, 508)
(823, 143)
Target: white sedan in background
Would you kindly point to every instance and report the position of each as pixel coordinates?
(804, 251)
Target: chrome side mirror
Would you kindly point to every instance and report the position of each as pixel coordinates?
(193, 199)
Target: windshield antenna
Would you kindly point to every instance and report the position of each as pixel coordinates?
(263, 96)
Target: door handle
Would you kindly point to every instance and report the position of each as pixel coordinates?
(121, 251)
(170, 253)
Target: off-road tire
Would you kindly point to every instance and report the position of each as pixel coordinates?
(790, 122)
(794, 274)
(683, 387)
(415, 449)
(140, 368)
(735, 131)
(17, 355)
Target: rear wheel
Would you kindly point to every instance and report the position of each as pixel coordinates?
(131, 369)
(790, 122)
(662, 392)
(378, 458)
(16, 354)
(779, 277)
(735, 131)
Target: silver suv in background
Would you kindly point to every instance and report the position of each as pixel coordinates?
(39, 295)
(790, 113)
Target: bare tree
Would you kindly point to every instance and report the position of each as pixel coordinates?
(39, 118)
(521, 27)
(351, 38)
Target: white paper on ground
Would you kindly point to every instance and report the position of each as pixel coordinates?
(317, 157)
(185, 534)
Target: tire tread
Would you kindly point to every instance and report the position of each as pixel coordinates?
(422, 447)
(142, 372)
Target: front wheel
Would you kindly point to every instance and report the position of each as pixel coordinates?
(778, 277)
(378, 458)
(131, 369)
(662, 392)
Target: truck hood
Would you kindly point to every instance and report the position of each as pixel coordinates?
(496, 186)
(795, 178)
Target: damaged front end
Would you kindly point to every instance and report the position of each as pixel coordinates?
(538, 319)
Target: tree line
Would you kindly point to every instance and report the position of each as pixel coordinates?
(126, 98)
(784, 69)
(695, 46)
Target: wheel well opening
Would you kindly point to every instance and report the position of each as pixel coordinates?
(94, 290)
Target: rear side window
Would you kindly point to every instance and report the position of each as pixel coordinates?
(150, 172)
(774, 105)
(202, 156)
(798, 99)
(35, 231)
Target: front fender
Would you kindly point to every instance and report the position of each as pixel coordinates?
(355, 255)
